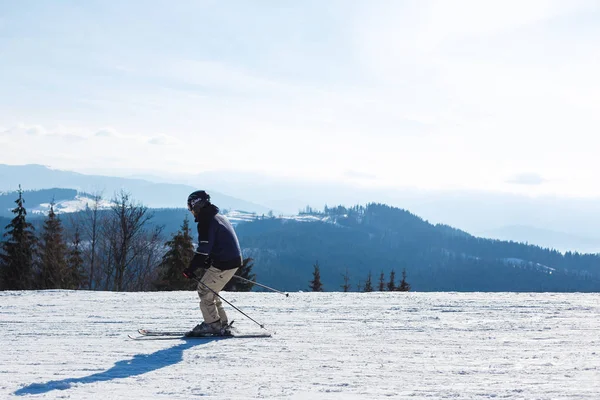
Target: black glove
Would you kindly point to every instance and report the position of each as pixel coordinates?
(189, 272)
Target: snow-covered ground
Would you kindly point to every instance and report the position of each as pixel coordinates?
(65, 344)
(70, 206)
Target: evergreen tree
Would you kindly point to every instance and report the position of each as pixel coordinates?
(76, 277)
(404, 286)
(391, 284)
(238, 285)
(53, 251)
(315, 284)
(346, 285)
(381, 282)
(16, 258)
(368, 283)
(177, 258)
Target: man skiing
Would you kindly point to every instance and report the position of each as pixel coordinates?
(219, 252)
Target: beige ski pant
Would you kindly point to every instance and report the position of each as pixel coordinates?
(210, 304)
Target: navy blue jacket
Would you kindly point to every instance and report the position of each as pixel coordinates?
(217, 244)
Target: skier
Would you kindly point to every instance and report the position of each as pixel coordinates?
(219, 252)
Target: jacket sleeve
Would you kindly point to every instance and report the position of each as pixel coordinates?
(205, 245)
(206, 240)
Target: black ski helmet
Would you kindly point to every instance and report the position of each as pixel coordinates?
(198, 200)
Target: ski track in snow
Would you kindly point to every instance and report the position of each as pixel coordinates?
(74, 345)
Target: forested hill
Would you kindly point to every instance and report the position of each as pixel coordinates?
(378, 238)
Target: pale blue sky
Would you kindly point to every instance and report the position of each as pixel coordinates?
(484, 95)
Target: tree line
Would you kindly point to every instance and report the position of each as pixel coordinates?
(315, 285)
(117, 250)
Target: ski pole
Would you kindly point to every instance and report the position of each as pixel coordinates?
(261, 285)
(219, 296)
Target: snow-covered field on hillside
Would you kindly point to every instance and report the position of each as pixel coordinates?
(74, 345)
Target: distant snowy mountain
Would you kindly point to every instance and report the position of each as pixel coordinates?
(79, 203)
(476, 212)
(540, 221)
(151, 194)
(236, 217)
(356, 240)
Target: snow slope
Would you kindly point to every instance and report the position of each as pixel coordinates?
(79, 203)
(66, 344)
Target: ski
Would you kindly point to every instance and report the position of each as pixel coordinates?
(180, 335)
(144, 337)
(147, 332)
(165, 335)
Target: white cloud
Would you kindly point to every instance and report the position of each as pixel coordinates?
(20, 130)
(527, 179)
(108, 133)
(35, 130)
(112, 134)
(164, 140)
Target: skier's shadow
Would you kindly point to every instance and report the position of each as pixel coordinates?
(138, 365)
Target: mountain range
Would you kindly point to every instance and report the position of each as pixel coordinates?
(376, 239)
(562, 224)
(373, 240)
(151, 194)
